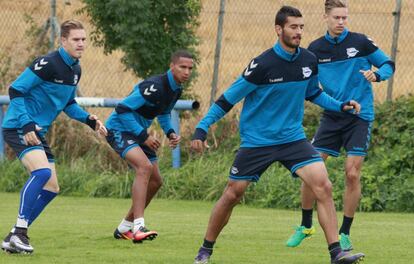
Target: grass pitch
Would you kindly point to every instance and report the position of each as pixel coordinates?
(79, 230)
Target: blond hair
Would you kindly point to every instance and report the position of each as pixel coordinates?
(68, 25)
(331, 4)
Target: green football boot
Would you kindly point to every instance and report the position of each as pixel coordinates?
(300, 234)
(345, 242)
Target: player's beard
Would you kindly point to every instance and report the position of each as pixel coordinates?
(288, 41)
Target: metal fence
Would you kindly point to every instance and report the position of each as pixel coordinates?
(247, 28)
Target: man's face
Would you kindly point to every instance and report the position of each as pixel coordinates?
(75, 43)
(181, 69)
(336, 20)
(292, 31)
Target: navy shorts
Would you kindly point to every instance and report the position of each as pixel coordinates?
(15, 139)
(122, 142)
(250, 163)
(342, 130)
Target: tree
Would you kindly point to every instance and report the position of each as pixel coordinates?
(147, 31)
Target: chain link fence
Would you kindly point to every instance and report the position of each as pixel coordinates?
(247, 30)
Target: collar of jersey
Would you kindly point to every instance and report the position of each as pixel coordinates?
(172, 82)
(284, 54)
(338, 39)
(67, 58)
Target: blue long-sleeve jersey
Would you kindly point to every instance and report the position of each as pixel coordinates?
(42, 91)
(340, 60)
(275, 86)
(153, 97)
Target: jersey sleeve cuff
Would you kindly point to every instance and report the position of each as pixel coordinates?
(142, 137)
(199, 134)
(377, 76)
(29, 127)
(91, 123)
(343, 105)
(169, 132)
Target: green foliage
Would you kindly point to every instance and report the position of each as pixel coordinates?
(91, 168)
(389, 172)
(387, 176)
(147, 31)
(311, 119)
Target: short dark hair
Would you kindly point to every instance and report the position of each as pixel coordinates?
(284, 13)
(181, 54)
(68, 25)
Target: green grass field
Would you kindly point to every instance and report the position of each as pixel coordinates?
(79, 230)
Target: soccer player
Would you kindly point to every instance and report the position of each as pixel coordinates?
(37, 96)
(345, 62)
(274, 86)
(127, 135)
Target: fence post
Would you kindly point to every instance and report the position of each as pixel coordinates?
(2, 150)
(175, 121)
(217, 51)
(52, 23)
(394, 47)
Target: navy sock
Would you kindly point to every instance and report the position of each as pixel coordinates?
(208, 244)
(346, 225)
(45, 197)
(334, 249)
(307, 218)
(29, 194)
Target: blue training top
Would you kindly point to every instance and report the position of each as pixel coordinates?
(340, 60)
(42, 91)
(274, 85)
(153, 97)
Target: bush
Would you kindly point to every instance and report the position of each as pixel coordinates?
(387, 176)
(147, 31)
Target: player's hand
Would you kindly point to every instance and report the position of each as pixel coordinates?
(174, 140)
(99, 127)
(152, 143)
(352, 105)
(31, 138)
(369, 75)
(198, 146)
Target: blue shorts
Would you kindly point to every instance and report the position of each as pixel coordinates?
(122, 142)
(338, 130)
(250, 163)
(15, 139)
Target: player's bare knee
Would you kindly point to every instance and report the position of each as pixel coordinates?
(145, 169)
(327, 187)
(352, 177)
(323, 190)
(54, 188)
(232, 195)
(352, 181)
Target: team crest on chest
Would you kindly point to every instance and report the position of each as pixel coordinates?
(351, 52)
(306, 72)
(75, 79)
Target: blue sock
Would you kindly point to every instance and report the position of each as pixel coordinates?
(30, 193)
(45, 197)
